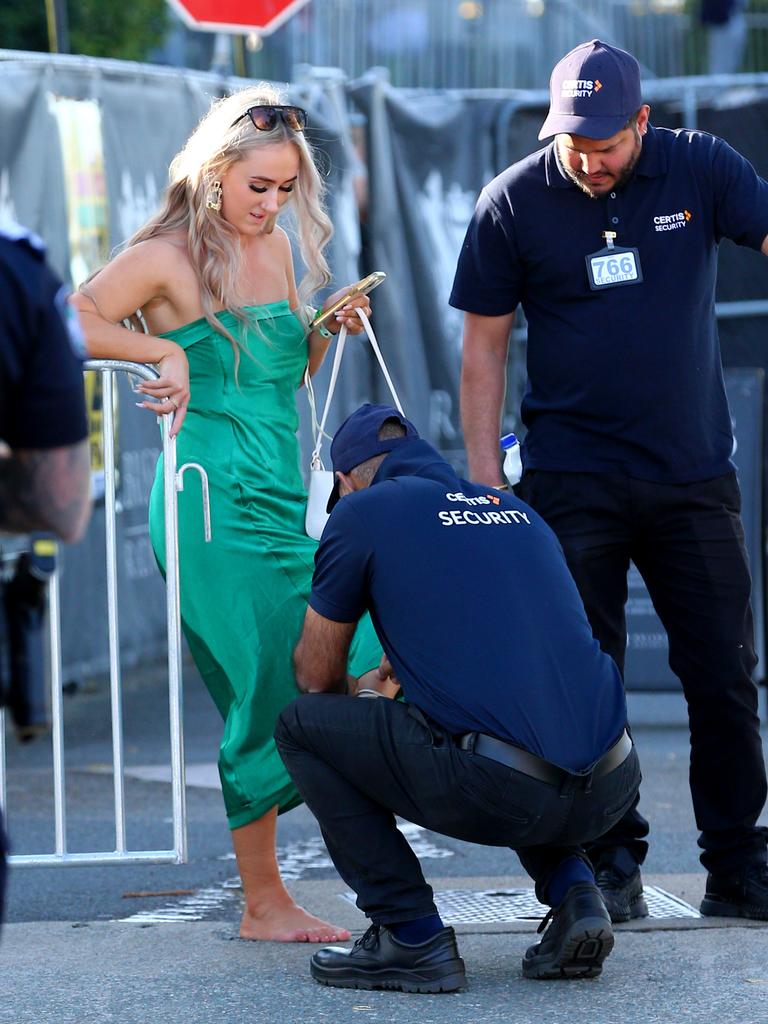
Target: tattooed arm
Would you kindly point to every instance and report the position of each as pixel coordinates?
(46, 489)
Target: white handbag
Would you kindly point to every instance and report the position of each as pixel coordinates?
(321, 479)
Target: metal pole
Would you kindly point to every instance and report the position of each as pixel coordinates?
(50, 20)
(58, 26)
(62, 25)
(691, 107)
(107, 379)
(173, 613)
(57, 716)
(744, 308)
(238, 54)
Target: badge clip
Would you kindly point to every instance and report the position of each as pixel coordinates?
(609, 237)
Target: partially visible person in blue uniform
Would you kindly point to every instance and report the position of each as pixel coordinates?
(44, 459)
(513, 731)
(607, 238)
(22, 616)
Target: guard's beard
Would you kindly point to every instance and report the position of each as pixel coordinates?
(580, 178)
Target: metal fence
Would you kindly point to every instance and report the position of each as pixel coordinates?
(416, 241)
(504, 43)
(173, 482)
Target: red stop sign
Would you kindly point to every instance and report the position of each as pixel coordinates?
(262, 16)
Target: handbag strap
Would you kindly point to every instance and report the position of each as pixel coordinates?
(380, 357)
(318, 429)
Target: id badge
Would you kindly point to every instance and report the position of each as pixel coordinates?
(613, 267)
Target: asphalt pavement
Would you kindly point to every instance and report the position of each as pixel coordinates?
(159, 943)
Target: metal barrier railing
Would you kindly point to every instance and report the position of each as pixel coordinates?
(173, 482)
(444, 44)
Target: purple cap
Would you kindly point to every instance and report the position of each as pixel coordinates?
(593, 91)
(357, 440)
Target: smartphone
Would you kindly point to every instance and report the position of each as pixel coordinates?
(361, 288)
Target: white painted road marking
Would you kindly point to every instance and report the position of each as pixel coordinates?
(296, 860)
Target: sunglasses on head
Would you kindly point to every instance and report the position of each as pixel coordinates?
(265, 117)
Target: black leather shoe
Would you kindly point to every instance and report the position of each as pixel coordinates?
(623, 894)
(378, 960)
(577, 941)
(740, 894)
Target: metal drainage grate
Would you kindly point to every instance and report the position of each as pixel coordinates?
(491, 906)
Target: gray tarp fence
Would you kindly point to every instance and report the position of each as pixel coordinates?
(72, 126)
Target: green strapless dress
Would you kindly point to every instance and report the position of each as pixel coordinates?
(244, 594)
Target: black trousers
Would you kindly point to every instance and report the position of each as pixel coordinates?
(358, 762)
(687, 542)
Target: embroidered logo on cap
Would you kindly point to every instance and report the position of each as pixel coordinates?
(574, 87)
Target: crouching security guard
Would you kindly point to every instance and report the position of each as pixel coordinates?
(513, 733)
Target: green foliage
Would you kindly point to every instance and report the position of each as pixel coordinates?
(23, 26)
(125, 29)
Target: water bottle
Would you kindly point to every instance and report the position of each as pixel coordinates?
(513, 466)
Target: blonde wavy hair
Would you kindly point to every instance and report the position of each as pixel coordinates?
(212, 243)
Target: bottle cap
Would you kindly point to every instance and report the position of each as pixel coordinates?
(508, 441)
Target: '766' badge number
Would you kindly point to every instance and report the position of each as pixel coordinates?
(612, 267)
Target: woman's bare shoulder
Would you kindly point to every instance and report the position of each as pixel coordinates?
(151, 274)
(164, 260)
(162, 248)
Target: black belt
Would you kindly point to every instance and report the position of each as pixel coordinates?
(530, 764)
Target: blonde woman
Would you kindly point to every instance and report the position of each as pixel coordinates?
(212, 274)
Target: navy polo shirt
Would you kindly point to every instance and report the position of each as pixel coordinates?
(628, 379)
(42, 403)
(472, 600)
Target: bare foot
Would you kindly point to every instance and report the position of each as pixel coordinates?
(288, 922)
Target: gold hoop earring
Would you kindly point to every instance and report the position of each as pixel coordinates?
(213, 199)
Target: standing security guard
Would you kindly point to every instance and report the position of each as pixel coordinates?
(514, 731)
(44, 463)
(608, 239)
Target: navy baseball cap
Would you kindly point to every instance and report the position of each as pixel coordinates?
(593, 91)
(357, 440)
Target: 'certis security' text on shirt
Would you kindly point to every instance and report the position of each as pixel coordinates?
(493, 517)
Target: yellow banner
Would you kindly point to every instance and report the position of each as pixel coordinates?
(79, 123)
